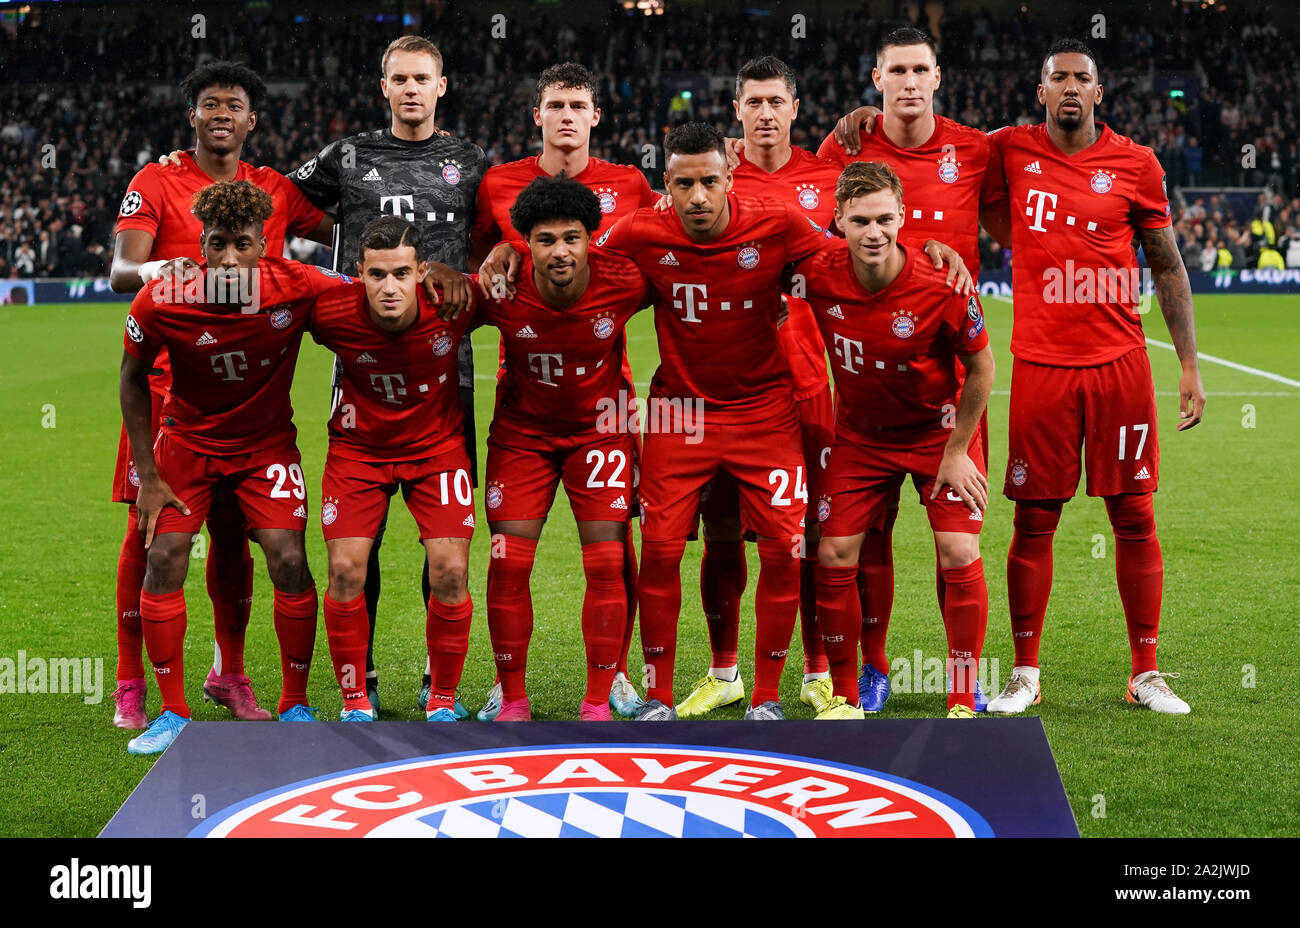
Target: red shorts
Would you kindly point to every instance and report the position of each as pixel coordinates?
(766, 459)
(1109, 409)
(863, 481)
(600, 471)
(126, 482)
(267, 484)
(437, 490)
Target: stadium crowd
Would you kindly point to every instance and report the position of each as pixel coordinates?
(105, 103)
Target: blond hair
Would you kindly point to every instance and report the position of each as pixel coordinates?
(412, 43)
(865, 177)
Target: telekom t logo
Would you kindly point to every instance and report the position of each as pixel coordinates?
(397, 203)
(544, 364)
(391, 385)
(229, 365)
(1040, 208)
(848, 351)
(688, 301)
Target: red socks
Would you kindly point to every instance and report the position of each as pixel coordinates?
(229, 575)
(840, 617)
(965, 618)
(295, 628)
(510, 611)
(163, 621)
(1140, 572)
(876, 589)
(446, 632)
(629, 594)
(1029, 576)
(131, 565)
(660, 595)
(604, 615)
(814, 654)
(776, 607)
(723, 574)
(347, 628)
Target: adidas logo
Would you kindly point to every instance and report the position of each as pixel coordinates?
(526, 332)
(669, 260)
(469, 520)
(373, 175)
(1033, 168)
(206, 339)
(300, 512)
(619, 503)
(835, 312)
(1143, 474)
(365, 358)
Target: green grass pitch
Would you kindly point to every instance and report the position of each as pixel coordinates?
(1226, 511)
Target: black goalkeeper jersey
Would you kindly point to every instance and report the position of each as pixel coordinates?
(433, 183)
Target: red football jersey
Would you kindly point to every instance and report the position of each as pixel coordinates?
(158, 201)
(561, 362)
(893, 353)
(231, 370)
(1074, 273)
(620, 187)
(809, 182)
(717, 303)
(400, 389)
(945, 181)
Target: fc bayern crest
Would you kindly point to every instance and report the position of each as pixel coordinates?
(903, 326)
(607, 202)
(328, 513)
(949, 171)
(747, 257)
(133, 476)
(442, 345)
(451, 174)
(808, 197)
(1019, 474)
(1101, 182)
(823, 509)
(603, 327)
(281, 318)
(609, 791)
(494, 497)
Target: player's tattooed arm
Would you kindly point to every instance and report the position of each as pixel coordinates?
(132, 268)
(133, 393)
(959, 276)
(957, 470)
(847, 129)
(498, 273)
(450, 289)
(1175, 295)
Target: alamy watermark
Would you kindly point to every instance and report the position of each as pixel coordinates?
(55, 675)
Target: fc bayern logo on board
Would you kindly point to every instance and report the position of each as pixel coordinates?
(281, 318)
(808, 197)
(451, 174)
(442, 345)
(1101, 182)
(328, 513)
(949, 172)
(747, 257)
(609, 791)
(603, 327)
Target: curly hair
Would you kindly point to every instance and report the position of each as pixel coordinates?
(232, 205)
(224, 74)
(548, 199)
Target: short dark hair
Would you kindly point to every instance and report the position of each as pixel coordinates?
(694, 138)
(766, 68)
(232, 205)
(223, 74)
(568, 74)
(386, 232)
(907, 35)
(551, 199)
(1070, 47)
